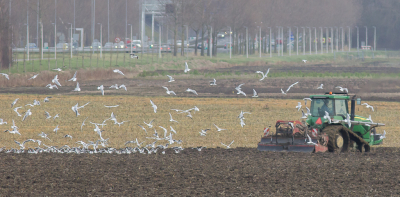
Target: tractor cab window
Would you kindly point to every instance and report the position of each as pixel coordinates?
(341, 107)
(319, 106)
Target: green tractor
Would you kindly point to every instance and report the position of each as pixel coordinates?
(328, 127)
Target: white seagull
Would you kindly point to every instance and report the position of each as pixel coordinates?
(43, 135)
(27, 113)
(171, 119)
(298, 107)
(16, 111)
(305, 61)
(192, 91)
(310, 141)
(50, 86)
(320, 86)
(213, 83)
(114, 86)
(228, 146)
(33, 77)
(118, 71)
(68, 136)
(101, 88)
(57, 69)
(171, 79)
(291, 86)
(74, 77)
(168, 91)
(283, 92)
(47, 114)
(14, 102)
(77, 88)
(2, 122)
(55, 81)
(56, 129)
(83, 123)
(263, 75)
(305, 100)
(186, 68)
(23, 143)
(5, 75)
(218, 129)
(368, 106)
(383, 135)
(150, 124)
(255, 95)
(343, 89)
(123, 87)
(154, 106)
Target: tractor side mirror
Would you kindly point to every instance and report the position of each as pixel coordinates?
(358, 101)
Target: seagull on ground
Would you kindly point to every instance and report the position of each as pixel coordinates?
(171, 119)
(16, 111)
(368, 106)
(263, 75)
(213, 83)
(228, 146)
(168, 91)
(320, 86)
(199, 148)
(123, 87)
(118, 71)
(305, 100)
(298, 107)
(192, 91)
(27, 113)
(101, 88)
(14, 102)
(218, 129)
(171, 79)
(343, 89)
(77, 88)
(154, 106)
(55, 81)
(33, 77)
(50, 86)
(255, 95)
(74, 77)
(186, 68)
(47, 114)
(5, 75)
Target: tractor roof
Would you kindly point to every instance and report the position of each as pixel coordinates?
(332, 95)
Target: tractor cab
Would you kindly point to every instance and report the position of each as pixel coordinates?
(333, 103)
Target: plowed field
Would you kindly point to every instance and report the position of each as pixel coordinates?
(211, 172)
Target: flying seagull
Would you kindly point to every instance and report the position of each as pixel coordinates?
(228, 146)
(27, 113)
(321, 86)
(343, 89)
(305, 100)
(154, 106)
(255, 95)
(14, 102)
(118, 71)
(123, 87)
(74, 77)
(5, 75)
(169, 91)
(213, 83)
(263, 75)
(298, 107)
(55, 81)
(33, 77)
(368, 106)
(101, 88)
(171, 79)
(305, 61)
(218, 129)
(192, 91)
(186, 68)
(77, 88)
(171, 119)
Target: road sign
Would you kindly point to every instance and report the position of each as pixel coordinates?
(117, 39)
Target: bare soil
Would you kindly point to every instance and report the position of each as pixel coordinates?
(211, 172)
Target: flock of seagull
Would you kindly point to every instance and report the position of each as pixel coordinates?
(149, 148)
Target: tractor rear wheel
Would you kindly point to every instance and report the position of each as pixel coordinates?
(339, 139)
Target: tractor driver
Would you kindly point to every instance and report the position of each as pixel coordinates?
(325, 107)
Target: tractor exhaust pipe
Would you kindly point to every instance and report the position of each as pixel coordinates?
(353, 108)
